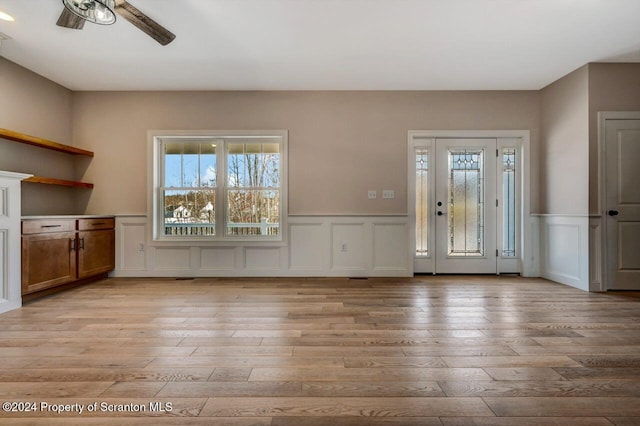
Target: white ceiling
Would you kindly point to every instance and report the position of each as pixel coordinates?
(327, 44)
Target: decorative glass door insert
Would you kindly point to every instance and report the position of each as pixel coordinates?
(466, 206)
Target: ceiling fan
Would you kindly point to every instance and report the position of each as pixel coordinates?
(103, 12)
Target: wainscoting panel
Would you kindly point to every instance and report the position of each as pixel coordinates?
(172, 259)
(262, 259)
(351, 246)
(131, 252)
(596, 260)
(4, 201)
(390, 254)
(308, 244)
(565, 249)
(4, 264)
(217, 259)
(10, 251)
(348, 249)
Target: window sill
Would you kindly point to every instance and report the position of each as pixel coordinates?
(204, 242)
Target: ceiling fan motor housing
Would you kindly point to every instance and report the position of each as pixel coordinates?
(96, 11)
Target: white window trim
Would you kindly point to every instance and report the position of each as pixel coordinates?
(154, 163)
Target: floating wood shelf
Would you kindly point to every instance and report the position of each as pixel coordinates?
(43, 143)
(61, 182)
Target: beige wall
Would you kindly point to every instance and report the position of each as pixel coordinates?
(564, 154)
(612, 87)
(341, 144)
(36, 106)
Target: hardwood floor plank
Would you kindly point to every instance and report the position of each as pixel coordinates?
(525, 421)
(550, 388)
(335, 406)
(134, 390)
(608, 361)
(511, 361)
(356, 421)
(366, 374)
(371, 389)
(523, 373)
(390, 362)
(106, 374)
(625, 421)
(561, 407)
(134, 421)
(607, 373)
(52, 389)
(229, 389)
(247, 361)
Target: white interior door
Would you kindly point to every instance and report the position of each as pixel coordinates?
(465, 195)
(622, 141)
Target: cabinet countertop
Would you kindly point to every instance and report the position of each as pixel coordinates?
(68, 216)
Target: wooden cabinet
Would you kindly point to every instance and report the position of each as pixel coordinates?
(96, 247)
(61, 251)
(48, 255)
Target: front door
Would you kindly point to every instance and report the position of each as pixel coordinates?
(466, 204)
(623, 204)
(465, 194)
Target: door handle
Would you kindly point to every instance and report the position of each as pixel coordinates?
(613, 212)
(441, 214)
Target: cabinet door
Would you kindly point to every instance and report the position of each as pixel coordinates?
(96, 252)
(47, 260)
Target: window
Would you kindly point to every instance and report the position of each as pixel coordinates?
(509, 202)
(422, 201)
(219, 186)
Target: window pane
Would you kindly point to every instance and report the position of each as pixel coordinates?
(253, 212)
(208, 165)
(190, 165)
(253, 166)
(509, 202)
(466, 203)
(173, 165)
(422, 202)
(189, 212)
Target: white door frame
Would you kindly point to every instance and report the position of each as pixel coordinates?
(598, 256)
(526, 257)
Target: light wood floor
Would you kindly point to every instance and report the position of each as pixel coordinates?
(423, 351)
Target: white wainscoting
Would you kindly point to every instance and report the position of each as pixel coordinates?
(349, 246)
(564, 249)
(10, 252)
(596, 258)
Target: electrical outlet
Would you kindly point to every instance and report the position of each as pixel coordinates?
(343, 247)
(141, 247)
(372, 194)
(388, 193)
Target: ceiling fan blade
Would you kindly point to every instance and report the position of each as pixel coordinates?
(69, 19)
(143, 22)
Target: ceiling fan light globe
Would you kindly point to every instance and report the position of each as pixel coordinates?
(96, 11)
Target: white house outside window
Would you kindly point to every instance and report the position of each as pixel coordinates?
(219, 186)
